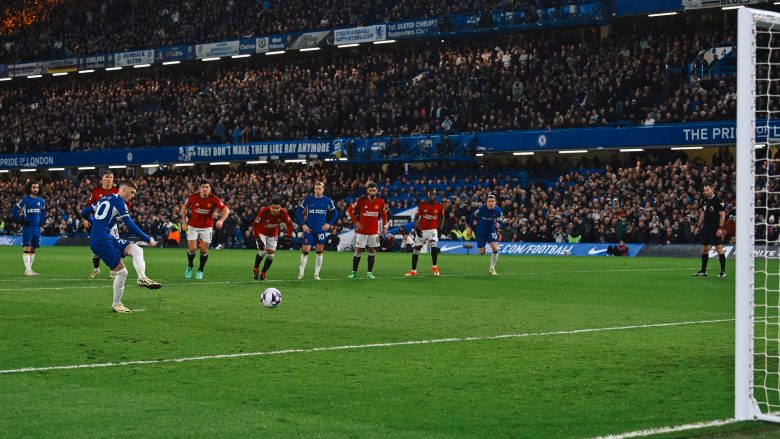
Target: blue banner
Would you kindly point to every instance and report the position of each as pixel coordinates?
(248, 46)
(181, 52)
(633, 7)
(46, 241)
(690, 134)
(411, 29)
(179, 154)
(535, 248)
(96, 61)
(417, 148)
(278, 42)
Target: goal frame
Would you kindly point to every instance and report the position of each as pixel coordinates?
(745, 405)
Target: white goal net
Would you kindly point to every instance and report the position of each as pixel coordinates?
(757, 359)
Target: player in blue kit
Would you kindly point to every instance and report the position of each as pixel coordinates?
(103, 215)
(486, 221)
(312, 214)
(31, 213)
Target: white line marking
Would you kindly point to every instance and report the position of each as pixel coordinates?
(79, 287)
(354, 347)
(661, 430)
(251, 282)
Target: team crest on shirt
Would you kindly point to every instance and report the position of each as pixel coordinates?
(208, 206)
(435, 211)
(376, 206)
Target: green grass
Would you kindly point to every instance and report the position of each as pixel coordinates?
(548, 384)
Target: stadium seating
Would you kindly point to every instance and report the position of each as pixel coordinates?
(65, 28)
(510, 82)
(636, 75)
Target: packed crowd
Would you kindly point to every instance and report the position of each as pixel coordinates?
(643, 203)
(66, 28)
(512, 82)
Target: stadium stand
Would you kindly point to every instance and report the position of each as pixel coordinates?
(543, 80)
(66, 28)
(639, 73)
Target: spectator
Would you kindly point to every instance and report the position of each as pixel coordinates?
(387, 243)
(406, 238)
(444, 148)
(618, 250)
(729, 229)
(333, 241)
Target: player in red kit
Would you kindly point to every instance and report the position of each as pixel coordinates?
(365, 214)
(201, 223)
(427, 224)
(106, 188)
(265, 228)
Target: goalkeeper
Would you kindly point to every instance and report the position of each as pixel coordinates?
(427, 228)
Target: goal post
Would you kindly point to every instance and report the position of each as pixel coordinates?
(757, 292)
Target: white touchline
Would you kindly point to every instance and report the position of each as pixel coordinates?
(661, 430)
(353, 347)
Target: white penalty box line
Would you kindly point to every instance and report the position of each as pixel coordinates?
(353, 347)
(674, 429)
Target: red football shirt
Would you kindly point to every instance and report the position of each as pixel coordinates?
(430, 215)
(99, 193)
(202, 215)
(267, 224)
(367, 212)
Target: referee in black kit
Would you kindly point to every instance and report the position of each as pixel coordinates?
(711, 221)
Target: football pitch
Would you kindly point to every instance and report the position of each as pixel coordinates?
(553, 347)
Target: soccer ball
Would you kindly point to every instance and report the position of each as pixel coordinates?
(566, 253)
(271, 298)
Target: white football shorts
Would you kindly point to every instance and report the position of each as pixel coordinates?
(430, 237)
(363, 241)
(269, 242)
(204, 234)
